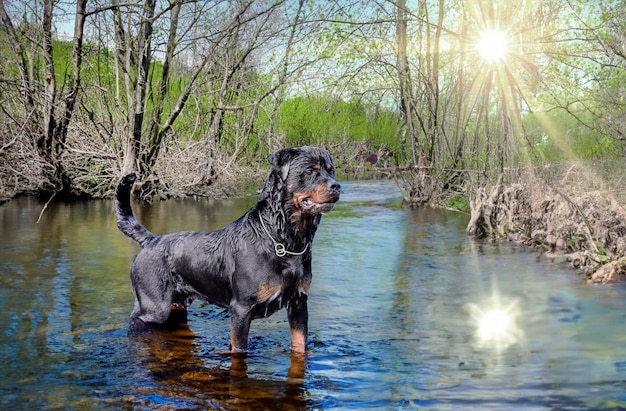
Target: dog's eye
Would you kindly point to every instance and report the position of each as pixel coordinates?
(309, 172)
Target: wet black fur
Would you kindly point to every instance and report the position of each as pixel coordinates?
(235, 267)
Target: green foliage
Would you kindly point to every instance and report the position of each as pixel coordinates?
(558, 135)
(62, 56)
(324, 120)
(460, 203)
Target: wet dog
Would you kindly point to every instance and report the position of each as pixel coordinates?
(253, 267)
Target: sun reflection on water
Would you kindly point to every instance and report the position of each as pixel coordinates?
(496, 322)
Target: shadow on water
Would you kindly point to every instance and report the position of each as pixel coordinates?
(396, 319)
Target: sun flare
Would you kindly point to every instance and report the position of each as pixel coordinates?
(493, 45)
(493, 325)
(496, 323)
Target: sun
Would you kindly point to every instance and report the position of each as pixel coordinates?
(493, 45)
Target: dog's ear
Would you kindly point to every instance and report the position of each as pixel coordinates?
(281, 160)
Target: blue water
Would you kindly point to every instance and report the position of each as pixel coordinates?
(395, 322)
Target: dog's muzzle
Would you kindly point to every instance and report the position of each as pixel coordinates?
(323, 202)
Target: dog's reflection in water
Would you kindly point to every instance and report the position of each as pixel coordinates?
(179, 378)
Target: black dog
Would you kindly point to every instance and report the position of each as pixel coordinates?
(254, 266)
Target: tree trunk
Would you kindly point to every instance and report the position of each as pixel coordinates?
(157, 133)
(136, 118)
(27, 83)
(50, 125)
(74, 84)
(46, 139)
(404, 77)
(433, 123)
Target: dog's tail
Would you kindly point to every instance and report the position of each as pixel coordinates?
(126, 221)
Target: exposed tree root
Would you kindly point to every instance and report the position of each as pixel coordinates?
(586, 229)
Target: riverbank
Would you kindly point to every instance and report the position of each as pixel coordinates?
(573, 214)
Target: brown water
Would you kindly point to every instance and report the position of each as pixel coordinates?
(395, 309)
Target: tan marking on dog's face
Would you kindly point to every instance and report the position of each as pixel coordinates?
(298, 197)
(319, 195)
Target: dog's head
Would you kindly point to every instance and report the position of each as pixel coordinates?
(306, 176)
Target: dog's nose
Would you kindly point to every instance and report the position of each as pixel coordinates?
(334, 186)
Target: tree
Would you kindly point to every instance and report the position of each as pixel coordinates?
(210, 57)
(591, 66)
(181, 91)
(45, 114)
(464, 108)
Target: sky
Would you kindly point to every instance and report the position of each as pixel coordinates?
(63, 19)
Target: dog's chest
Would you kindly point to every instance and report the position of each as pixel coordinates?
(281, 291)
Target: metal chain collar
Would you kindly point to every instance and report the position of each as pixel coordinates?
(279, 248)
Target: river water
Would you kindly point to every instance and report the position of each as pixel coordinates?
(406, 312)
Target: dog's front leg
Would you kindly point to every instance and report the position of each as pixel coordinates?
(240, 319)
(298, 316)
